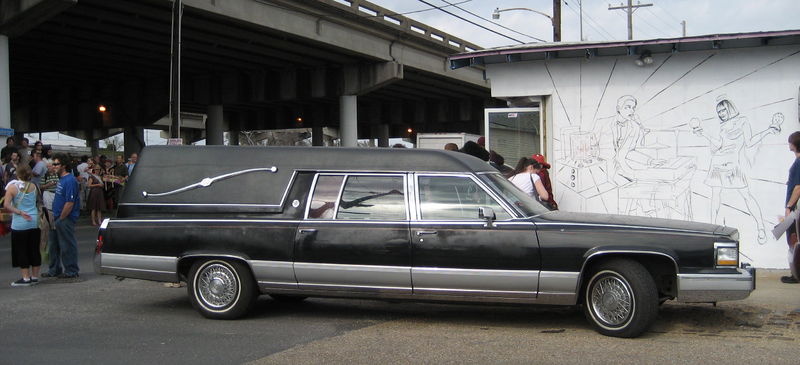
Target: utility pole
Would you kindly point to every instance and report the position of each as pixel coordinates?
(630, 8)
(683, 25)
(556, 20)
(580, 15)
(175, 97)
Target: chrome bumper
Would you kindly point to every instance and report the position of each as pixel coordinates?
(707, 288)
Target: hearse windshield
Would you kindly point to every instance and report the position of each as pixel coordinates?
(525, 204)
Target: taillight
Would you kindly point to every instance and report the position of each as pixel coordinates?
(99, 246)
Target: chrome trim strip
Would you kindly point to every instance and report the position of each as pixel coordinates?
(104, 225)
(715, 287)
(161, 264)
(310, 195)
(104, 267)
(202, 205)
(207, 220)
(474, 280)
(604, 252)
(559, 282)
(273, 271)
(206, 182)
(352, 276)
(472, 292)
(538, 223)
(140, 274)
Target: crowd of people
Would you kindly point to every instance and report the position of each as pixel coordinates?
(530, 174)
(44, 195)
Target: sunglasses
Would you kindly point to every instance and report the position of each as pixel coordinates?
(56, 163)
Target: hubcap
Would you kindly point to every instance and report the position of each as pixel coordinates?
(612, 301)
(217, 285)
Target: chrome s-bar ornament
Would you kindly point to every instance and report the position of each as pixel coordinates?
(206, 182)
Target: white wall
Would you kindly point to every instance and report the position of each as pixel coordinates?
(664, 172)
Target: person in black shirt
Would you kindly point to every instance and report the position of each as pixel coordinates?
(5, 153)
(792, 195)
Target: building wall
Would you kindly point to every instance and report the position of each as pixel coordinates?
(668, 153)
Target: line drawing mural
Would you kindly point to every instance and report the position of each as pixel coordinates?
(652, 145)
(725, 171)
(632, 169)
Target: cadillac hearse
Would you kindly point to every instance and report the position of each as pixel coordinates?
(293, 222)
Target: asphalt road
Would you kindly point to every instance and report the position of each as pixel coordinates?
(102, 320)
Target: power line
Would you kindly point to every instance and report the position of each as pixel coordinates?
(419, 11)
(670, 25)
(590, 18)
(471, 22)
(657, 29)
(646, 34)
(495, 23)
(600, 31)
(629, 9)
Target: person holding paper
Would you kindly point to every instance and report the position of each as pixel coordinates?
(792, 195)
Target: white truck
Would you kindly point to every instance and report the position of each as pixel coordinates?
(438, 140)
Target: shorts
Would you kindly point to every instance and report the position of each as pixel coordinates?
(25, 248)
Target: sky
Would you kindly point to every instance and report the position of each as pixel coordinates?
(662, 20)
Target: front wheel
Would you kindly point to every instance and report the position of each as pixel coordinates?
(221, 289)
(621, 299)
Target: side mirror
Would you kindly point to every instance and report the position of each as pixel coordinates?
(487, 214)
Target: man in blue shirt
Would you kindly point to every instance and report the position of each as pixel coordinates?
(792, 195)
(66, 209)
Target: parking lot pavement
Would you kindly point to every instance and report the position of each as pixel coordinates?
(102, 320)
(763, 329)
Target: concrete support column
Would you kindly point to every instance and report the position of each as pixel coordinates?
(383, 135)
(348, 120)
(133, 140)
(5, 85)
(215, 134)
(317, 136)
(92, 142)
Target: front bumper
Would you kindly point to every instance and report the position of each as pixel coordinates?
(708, 288)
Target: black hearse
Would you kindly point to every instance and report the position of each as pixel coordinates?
(291, 222)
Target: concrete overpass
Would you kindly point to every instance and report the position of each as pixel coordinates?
(247, 64)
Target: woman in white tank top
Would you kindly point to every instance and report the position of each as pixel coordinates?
(525, 178)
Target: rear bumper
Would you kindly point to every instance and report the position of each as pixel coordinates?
(706, 288)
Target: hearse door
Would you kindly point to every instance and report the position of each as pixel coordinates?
(457, 253)
(354, 236)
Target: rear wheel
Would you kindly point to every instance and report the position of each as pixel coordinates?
(221, 289)
(621, 299)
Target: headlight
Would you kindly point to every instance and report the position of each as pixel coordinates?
(726, 254)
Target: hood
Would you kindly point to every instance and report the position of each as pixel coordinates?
(557, 216)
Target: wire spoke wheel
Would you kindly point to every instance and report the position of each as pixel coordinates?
(221, 289)
(218, 286)
(612, 300)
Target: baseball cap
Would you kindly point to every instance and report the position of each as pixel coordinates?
(540, 159)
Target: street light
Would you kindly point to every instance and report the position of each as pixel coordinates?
(556, 25)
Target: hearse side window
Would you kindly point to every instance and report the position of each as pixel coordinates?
(373, 198)
(454, 198)
(326, 192)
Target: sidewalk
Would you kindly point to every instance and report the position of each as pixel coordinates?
(772, 294)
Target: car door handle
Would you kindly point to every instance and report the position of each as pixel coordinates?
(422, 233)
(307, 230)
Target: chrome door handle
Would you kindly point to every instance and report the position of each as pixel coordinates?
(307, 230)
(421, 233)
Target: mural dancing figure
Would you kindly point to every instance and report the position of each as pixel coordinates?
(727, 154)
